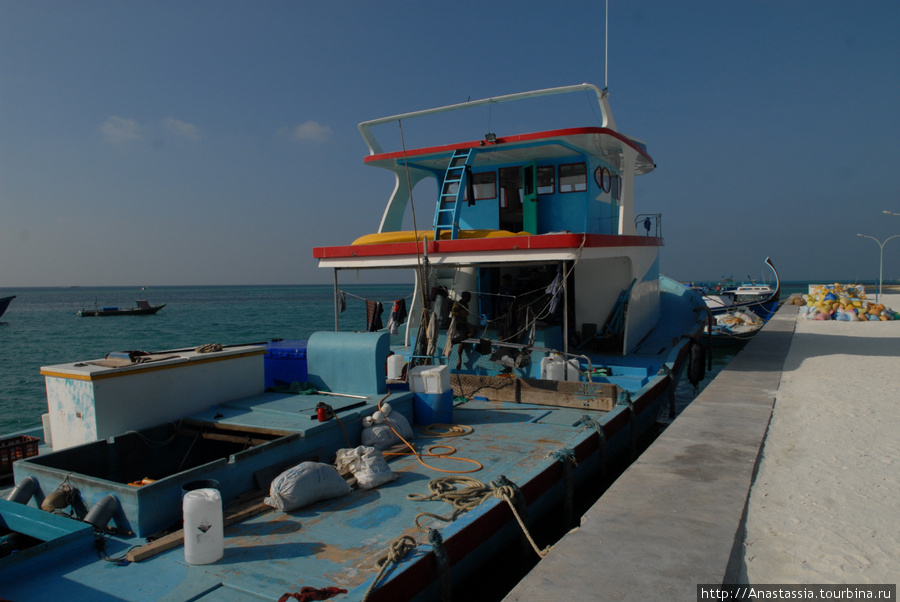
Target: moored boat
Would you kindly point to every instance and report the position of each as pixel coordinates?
(4, 304)
(761, 299)
(564, 343)
(734, 327)
(142, 308)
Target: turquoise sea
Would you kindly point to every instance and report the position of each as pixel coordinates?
(41, 328)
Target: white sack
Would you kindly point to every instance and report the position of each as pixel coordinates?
(304, 484)
(367, 464)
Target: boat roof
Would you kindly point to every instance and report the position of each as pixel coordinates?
(605, 141)
(471, 251)
(599, 142)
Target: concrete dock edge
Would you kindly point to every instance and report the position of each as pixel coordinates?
(674, 519)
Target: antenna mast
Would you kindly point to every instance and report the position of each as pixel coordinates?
(606, 58)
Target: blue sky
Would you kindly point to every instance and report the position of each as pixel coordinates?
(216, 142)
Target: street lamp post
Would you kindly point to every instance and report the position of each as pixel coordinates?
(881, 264)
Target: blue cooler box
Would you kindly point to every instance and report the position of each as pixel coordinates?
(433, 395)
(285, 363)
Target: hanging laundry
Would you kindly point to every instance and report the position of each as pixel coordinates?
(555, 289)
(438, 302)
(374, 309)
(398, 316)
(431, 333)
(342, 301)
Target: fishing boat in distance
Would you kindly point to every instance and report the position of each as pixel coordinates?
(761, 299)
(4, 304)
(539, 346)
(143, 308)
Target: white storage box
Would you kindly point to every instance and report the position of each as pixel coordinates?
(430, 379)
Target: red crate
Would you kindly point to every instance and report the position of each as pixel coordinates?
(16, 448)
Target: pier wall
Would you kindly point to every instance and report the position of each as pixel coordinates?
(675, 518)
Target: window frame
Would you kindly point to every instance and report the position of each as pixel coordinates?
(545, 169)
(583, 174)
(476, 186)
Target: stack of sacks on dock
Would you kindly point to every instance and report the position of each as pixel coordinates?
(846, 303)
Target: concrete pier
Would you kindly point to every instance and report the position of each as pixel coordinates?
(720, 497)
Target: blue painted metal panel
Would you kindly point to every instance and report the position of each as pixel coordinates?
(62, 538)
(349, 362)
(153, 507)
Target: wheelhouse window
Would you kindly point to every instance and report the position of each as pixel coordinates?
(485, 185)
(573, 177)
(607, 181)
(546, 180)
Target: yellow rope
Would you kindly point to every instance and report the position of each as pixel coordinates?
(456, 430)
(446, 430)
(472, 493)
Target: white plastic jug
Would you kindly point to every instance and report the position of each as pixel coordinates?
(395, 366)
(204, 537)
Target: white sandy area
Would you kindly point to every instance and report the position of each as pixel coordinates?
(825, 505)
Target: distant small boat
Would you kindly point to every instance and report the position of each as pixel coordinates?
(4, 303)
(763, 300)
(734, 327)
(143, 309)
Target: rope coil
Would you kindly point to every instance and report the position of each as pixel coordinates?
(397, 551)
(472, 493)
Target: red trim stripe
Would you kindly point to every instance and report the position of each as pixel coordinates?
(448, 148)
(486, 245)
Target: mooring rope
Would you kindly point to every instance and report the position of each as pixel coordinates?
(397, 551)
(632, 418)
(443, 563)
(589, 422)
(566, 456)
(472, 493)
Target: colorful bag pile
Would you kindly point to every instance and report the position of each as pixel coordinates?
(844, 302)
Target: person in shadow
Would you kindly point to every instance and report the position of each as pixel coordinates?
(460, 329)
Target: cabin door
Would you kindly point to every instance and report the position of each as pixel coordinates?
(530, 199)
(511, 199)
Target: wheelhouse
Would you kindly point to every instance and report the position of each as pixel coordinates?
(547, 214)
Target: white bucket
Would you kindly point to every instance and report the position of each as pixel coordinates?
(204, 537)
(554, 368)
(395, 366)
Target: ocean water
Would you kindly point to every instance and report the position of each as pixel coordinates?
(42, 328)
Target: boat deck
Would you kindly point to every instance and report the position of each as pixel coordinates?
(337, 542)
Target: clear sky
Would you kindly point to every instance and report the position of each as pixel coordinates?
(216, 142)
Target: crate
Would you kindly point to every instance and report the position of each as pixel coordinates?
(285, 363)
(16, 448)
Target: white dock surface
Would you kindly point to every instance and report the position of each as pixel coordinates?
(822, 508)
